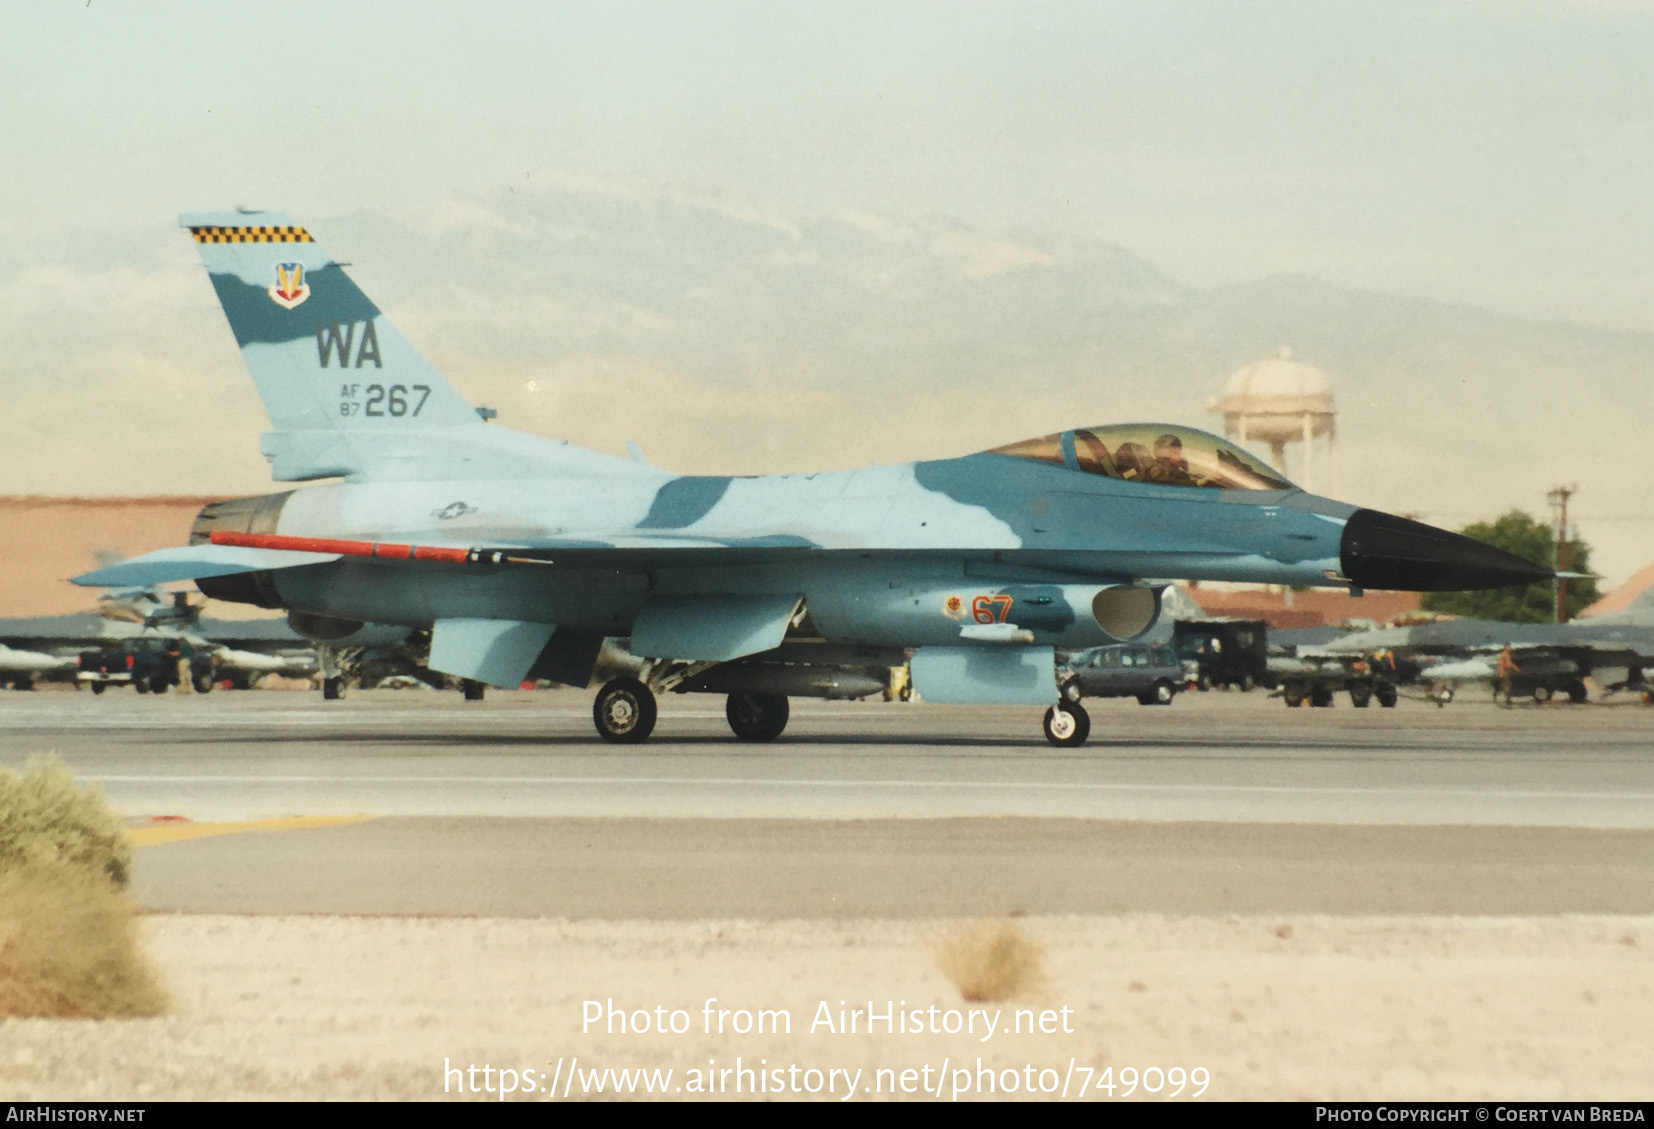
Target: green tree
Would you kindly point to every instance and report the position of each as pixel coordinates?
(1527, 537)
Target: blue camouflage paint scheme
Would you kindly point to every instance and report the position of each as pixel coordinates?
(1056, 508)
(894, 556)
(255, 319)
(1041, 608)
(684, 501)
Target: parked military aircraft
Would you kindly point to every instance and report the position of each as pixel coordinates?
(20, 669)
(143, 620)
(1616, 651)
(521, 554)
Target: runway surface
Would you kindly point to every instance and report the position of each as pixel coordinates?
(1219, 803)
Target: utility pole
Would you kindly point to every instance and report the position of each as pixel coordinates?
(1559, 501)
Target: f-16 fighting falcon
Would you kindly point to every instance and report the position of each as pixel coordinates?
(521, 555)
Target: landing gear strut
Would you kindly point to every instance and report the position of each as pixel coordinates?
(333, 679)
(1067, 723)
(624, 711)
(757, 717)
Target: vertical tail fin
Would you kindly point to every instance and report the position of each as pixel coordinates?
(330, 368)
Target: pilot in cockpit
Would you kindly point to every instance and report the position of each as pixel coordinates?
(1131, 459)
(1169, 467)
(1146, 453)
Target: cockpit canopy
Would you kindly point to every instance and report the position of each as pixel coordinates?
(1162, 454)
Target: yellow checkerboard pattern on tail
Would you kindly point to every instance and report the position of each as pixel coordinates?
(250, 235)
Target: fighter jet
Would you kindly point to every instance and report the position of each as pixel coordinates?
(98, 648)
(1615, 650)
(521, 555)
(21, 669)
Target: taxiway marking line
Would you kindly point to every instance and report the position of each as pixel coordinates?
(175, 832)
(783, 782)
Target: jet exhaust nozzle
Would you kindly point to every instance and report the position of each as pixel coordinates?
(1380, 550)
(257, 514)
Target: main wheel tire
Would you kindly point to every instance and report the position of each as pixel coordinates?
(1160, 694)
(472, 689)
(624, 711)
(757, 717)
(1067, 725)
(333, 689)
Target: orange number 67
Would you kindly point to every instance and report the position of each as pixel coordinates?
(990, 609)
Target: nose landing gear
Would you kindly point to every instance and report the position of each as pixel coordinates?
(1067, 724)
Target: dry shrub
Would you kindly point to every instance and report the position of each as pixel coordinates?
(47, 822)
(991, 962)
(68, 935)
(69, 950)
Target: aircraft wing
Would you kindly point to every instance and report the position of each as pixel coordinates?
(1460, 670)
(1450, 635)
(628, 550)
(193, 562)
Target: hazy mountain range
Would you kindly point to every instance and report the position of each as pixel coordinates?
(727, 336)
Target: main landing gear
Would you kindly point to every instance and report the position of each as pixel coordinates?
(624, 712)
(757, 717)
(1067, 723)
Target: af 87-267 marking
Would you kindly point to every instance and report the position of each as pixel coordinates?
(380, 400)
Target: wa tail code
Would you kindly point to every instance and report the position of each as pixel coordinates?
(335, 341)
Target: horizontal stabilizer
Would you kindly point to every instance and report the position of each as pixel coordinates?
(712, 628)
(194, 562)
(986, 676)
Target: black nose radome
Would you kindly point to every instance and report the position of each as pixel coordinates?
(1381, 550)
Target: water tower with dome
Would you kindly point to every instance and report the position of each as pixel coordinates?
(1280, 400)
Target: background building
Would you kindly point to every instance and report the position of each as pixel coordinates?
(1279, 401)
(47, 540)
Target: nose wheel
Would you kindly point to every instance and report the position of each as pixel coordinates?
(624, 711)
(1067, 723)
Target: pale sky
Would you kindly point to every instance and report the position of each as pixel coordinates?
(1498, 154)
(1495, 153)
